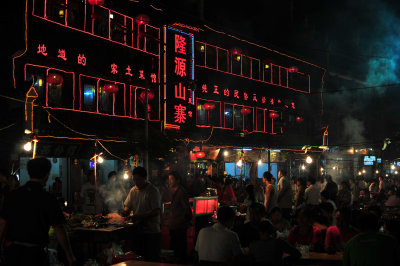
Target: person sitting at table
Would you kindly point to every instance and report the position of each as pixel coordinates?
(217, 244)
(371, 247)
(338, 235)
(269, 250)
(144, 200)
(304, 233)
(281, 225)
(248, 232)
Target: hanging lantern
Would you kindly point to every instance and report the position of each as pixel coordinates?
(110, 88)
(209, 106)
(200, 154)
(96, 2)
(273, 115)
(142, 19)
(245, 111)
(150, 95)
(54, 79)
(299, 119)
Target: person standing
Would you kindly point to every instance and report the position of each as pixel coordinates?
(344, 195)
(144, 200)
(89, 200)
(28, 213)
(301, 188)
(331, 188)
(285, 194)
(228, 196)
(179, 217)
(312, 193)
(271, 195)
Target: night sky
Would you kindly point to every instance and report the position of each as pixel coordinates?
(357, 41)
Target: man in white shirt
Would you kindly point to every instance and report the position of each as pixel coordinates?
(312, 194)
(285, 194)
(217, 243)
(144, 200)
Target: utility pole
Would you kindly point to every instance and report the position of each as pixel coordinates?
(146, 130)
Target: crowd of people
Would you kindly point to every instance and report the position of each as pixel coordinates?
(262, 221)
(358, 218)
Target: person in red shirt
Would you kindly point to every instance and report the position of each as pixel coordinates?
(228, 195)
(338, 235)
(304, 233)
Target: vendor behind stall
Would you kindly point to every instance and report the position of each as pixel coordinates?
(89, 200)
(144, 201)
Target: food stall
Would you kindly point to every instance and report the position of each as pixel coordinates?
(98, 237)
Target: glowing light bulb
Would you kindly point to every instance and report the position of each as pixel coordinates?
(266, 66)
(395, 172)
(126, 176)
(226, 153)
(100, 159)
(259, 162)
(239, 163)
(377, 172)
(65, 203)
(334, 168)
(359, 173)
(303, 167)
(392, 167)
(28, 146)
(364, 171)
(202, 48)
(309, 160)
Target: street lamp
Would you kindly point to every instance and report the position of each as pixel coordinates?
(309, 159)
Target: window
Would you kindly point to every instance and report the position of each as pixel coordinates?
(99, 24)
(255, 69)
(260, 121)
(238, 117)
(236, 64)
(76, 14)
(55, 11)
(236, 171)
(199, 53)
(106, 100)
(118, 30)
(246, 65)
(266, 70)
(89, 97)
(228, 116)
(152, 39)
(223, 60)
(208, 113)
(211, 56)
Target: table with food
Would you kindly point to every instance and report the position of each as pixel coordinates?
(99, 237)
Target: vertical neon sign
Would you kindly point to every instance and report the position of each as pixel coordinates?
(178, 77)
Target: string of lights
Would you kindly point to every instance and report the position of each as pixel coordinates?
(101, 144)
(4, 128)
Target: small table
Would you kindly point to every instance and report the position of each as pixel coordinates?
(144, 263)
(323, 259)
